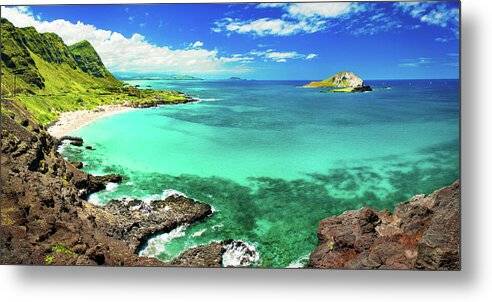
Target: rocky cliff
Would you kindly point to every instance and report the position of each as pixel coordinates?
(422, 233)
(344, 81)
(21, 47)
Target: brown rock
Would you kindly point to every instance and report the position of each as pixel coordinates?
(423, 233)
(202, 256)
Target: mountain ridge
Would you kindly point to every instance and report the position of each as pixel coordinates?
(88, 59)
(47, 77)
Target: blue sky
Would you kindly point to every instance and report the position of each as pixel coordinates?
(262, 41)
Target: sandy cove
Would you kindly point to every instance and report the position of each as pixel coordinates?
(74, 120)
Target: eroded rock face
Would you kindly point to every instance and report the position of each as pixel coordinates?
(44, 218)
(134, 221)
(209, 255)
(346, 79)
(423, 233)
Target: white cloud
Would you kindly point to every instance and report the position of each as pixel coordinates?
(120, 53)
(270, 5)
(440, 39)
(278, 56)
(323, 10)
(418, 62)
(197, 44)
(237, 58)
(431, 13)
(311, 56)
(347, 17)
(267, 26)
(451, 59)
(297, 18)
(281, 56)
(440, 17)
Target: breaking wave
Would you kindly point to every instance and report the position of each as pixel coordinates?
(240, 254)
(157, 244)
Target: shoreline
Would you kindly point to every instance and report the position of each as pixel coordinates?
(74, 120)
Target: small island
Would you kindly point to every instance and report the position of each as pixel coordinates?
(343, 81)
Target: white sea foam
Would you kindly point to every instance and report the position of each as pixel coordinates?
(165, 194)
(151, 198)
(198, 233)
(217, 226)
(299, 263)
(111, 186)
(170, 192)
(62, 146)
(208, 99)
(157, 244)
(94, 199)
(240, 253)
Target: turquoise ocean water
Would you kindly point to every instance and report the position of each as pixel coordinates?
(273, 159)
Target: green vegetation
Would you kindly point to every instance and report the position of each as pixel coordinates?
(47, 77)
(49, 259)
(324, 83)
(342, 82)
(57, 249)
(88, 60)
(60, 248)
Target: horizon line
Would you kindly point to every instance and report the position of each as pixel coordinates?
(246, 79)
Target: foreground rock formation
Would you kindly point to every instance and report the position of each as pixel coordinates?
(422, 233)
(45, 219)
(228, 253)
(341, 82)
(134, 221)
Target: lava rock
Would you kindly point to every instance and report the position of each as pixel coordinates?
(422, 233)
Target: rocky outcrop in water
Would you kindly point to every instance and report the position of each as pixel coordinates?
(74, 140)
(157, 101)
(228, 253)
(209, 255)
(134, 221)
(422, 233)
(344, 81)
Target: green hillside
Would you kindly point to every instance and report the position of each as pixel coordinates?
(88, 60)
(47, 77)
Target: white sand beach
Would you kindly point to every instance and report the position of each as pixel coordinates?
(74, 120)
